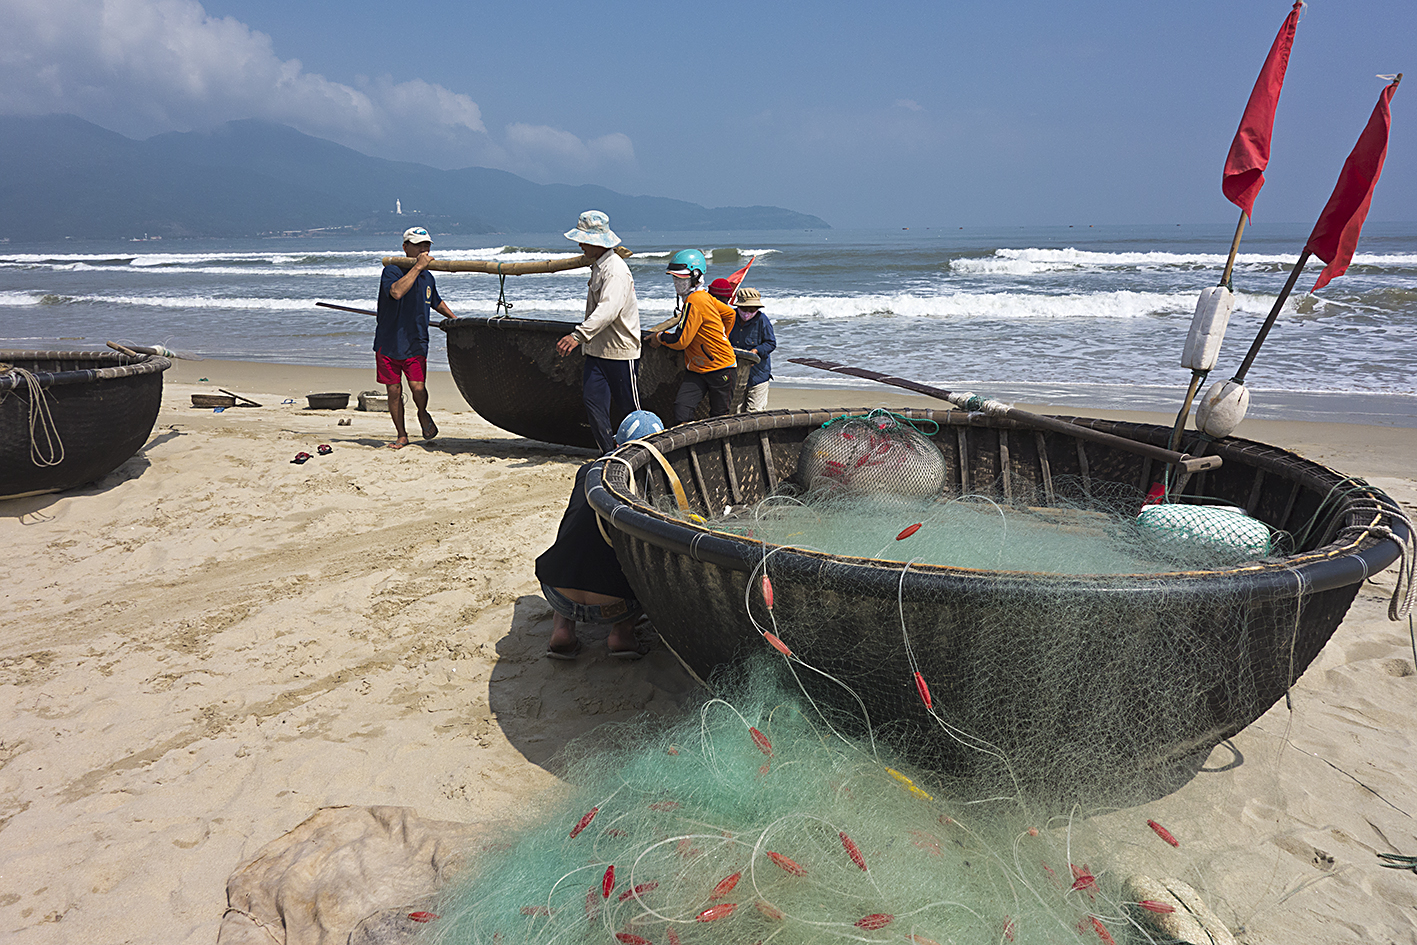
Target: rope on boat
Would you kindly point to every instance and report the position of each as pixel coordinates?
(1406, 590)
(41, 422)
(503, 306)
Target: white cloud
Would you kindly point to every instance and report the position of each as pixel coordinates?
(909, 104)
(546, 151)
(147, 66)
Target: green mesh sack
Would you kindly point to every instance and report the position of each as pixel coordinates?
(1214, 525)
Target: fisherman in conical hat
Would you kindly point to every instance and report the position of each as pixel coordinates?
(610, 332)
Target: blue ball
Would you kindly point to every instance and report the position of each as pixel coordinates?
(636, 426)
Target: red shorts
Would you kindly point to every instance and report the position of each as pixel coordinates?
(387, 370)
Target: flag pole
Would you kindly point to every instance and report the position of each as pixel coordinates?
(1240, 183)
(1234, 250)
(1239, 377)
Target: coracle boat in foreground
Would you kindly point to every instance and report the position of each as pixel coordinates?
(1003, 678)
(509, 372)
(70, 417)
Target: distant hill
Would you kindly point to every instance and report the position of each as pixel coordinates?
(69, 177)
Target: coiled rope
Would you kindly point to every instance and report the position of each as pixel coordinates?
(1406, 590)
(50, 452)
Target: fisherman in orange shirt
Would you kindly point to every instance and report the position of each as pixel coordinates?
(702, 335)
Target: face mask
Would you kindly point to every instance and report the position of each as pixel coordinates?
(747, 314)
(681, 286)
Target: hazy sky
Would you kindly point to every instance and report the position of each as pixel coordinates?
(879, 114)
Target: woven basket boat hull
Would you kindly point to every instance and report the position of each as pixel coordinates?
(103, 404)
(509, 372)
(1009, 660)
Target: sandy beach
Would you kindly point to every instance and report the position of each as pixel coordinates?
(208, 645)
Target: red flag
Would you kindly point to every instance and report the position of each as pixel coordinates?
(1249, 152)
(736, 279)
(1335, 236)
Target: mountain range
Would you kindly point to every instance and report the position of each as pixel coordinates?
(67, 177)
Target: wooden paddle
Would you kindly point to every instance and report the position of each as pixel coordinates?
(239, 398)
(973, 402)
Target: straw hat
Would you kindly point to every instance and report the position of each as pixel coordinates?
(749, 298)
(593, 229)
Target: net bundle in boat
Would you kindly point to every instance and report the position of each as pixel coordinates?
(879, 454)
(748, 821)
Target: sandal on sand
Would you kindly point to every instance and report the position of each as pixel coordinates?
(300, 458)
(324, 449)
(564, 652)
(430, 429)
(630, 656)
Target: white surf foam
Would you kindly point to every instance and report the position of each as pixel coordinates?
(1034, 260)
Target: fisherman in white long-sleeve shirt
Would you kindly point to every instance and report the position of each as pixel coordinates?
(610, 332)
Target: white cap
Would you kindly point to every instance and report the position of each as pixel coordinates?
(417, 234)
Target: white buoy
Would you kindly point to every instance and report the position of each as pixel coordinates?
(1208, 325)
(1222, 408)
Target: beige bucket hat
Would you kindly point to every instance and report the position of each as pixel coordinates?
(748, 298)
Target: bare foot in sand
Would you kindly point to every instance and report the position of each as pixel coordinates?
(430, 429)
(399, 444)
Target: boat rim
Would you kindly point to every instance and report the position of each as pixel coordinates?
(1335, 564)
(125, 366)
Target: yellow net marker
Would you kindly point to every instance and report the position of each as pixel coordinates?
(909, 784)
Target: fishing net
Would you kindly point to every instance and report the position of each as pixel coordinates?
(880, 454)
(916, 756)
(749, 821)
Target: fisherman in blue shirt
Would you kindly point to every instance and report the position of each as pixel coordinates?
(753, 332)
(401, 338)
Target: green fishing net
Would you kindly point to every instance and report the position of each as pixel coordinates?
(750, 821)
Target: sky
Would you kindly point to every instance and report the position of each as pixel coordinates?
(889, 114)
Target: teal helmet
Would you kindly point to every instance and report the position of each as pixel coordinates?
(686, 262)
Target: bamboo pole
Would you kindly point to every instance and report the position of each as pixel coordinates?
(1184, 460)
(531, 267)
(1239, 377)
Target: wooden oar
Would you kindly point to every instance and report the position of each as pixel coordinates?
(974, 402)
(238, 397)
(362, 311)
(530, 267)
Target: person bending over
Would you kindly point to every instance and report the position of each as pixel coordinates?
(702, 334)
(401, 336)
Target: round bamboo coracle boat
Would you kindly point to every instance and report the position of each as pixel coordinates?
(509, 372)
(70, 417)
(1054, 681)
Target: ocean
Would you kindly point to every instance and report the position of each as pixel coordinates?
(1072, 316)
